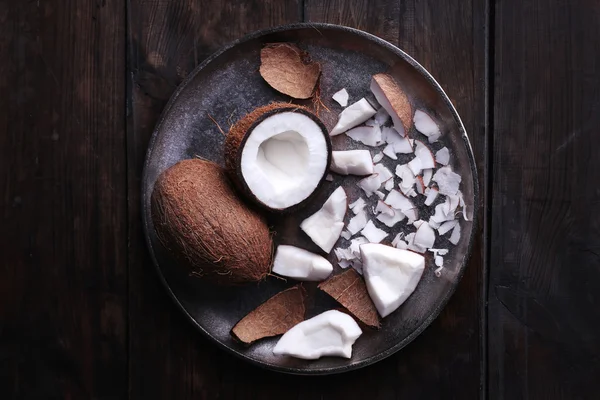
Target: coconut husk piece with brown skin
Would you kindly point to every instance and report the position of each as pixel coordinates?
(349, 289)
(274, 317)
(397, 98)
(289, 70)
(201, 221)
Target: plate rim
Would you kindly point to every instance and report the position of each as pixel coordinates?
(472, 164)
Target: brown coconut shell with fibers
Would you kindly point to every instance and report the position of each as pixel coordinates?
(236, 139)
(201, 221)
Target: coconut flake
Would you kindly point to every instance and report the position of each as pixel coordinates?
(357, 222)
(373, 233)
(438, 271)
(358, 205)
(418, 223)
(447, 226)
(427, 174)
(442, 156)
(344, 264)
(389, 184)
(370, 184)
(412, 215)
(384, 208)
(355, 245)
(341, 96)
(346, 235)
(415, 166)
(344, 254)
(391, 97)
(380, 194)
(398, 201)
(425, 236)
(431, 196)
(397, 238)
(381, 117)
(423, 153)
(325, 226)
(425, 124)
(378, 157)
(391, 220)
(399, 143)
(384, 173)
(433, 224)
(352, 162)
(439, 261)
(455, 237)
(420, 185)
(353, 116)
(369, 135)
(447, 180)
(389, 151)
(410, 239)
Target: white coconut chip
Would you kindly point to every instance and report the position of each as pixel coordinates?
(325, 226)
(408, 180)
(442, 156)
(415, 166)
(455, 237)
(346, 235)
(425, 236)
(418, 223)
(391, 220)
(344, 264)
(448, 181)
(410, 238)
(358, 205)
(424, 154)
(431, 196)
(378, 157)
(439, 261)
(357, 223)
(420, 185)
(341, 96)
(329, 178)
(355, 245)
(381, 117)
(427, 174)
(399, 143)
(373, 233)
(441, 252)
(433, 224)
(425, 124)
(441, 214)
(370, 184)
(389, 184)
(384, 208)
(389, 151)
(353, 116)
(447, 226)
(398, 201)
(352, 162)
(369, 135)
(412, 215)
(343, 254)
(384, 173)
(398, 238)
(380, 194)
(438, 271)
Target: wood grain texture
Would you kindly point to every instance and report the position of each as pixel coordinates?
(544, 306)
(63, 284)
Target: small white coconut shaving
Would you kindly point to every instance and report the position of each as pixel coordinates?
(371, 122)
(432, 194)
(378, 157)
(373, 233)
(384, 173)
(357, 223)
(418, 223)
(412, 215)
(357, 205)
(448, 181)
(352, 162)
(410, 238)
(381, 117)
(441, 252)
(384, 208)
(370, 184)
(391, 220)
(329, 178)
(341, 96)
(398, 238)
(399, 143)
(442, 156)
(344, 264)
(353, 116)
(423, 153)
(346, 235)
(433, 224)
(398, 201)
(420, 185)
(425, 124)
(369, 135)
(447, 226)
(427, 174)
(389, 151)
(380, 194)
(438, 271)
(424, 236)
(455, 237)
(408, 180)
(389, 184)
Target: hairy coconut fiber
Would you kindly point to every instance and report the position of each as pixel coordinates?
(199, 218)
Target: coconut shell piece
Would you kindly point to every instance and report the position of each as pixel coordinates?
(397, 98)
(201, 221)
(274, 317)
(349, 289)
(289, 70)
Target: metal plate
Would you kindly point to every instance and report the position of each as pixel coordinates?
(227, 86)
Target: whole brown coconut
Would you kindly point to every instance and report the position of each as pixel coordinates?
(199, 218)
(238, 136)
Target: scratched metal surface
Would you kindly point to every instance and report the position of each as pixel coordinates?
(227, 86)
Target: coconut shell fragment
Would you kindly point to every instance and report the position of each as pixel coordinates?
(349, 289)
(274, 317)
(289, 70)
(201, 221)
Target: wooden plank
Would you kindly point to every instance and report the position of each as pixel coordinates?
(169, 358)
(447, 38)
(63, 291)
(544, 315)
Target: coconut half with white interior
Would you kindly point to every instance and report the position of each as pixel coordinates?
(278, 155)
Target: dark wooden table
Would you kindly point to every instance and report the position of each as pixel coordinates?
(82, 313)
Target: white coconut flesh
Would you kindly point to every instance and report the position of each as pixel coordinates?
(284, 158)
(352, 162)
(325, 226)
(300, 264)
(353, 116)
(331, 333)
(391, 275)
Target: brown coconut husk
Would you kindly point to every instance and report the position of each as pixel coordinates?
(398, 99)
(289, 70)
(349, 289)
(236, 138)
(274, 317)
(201, 221)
